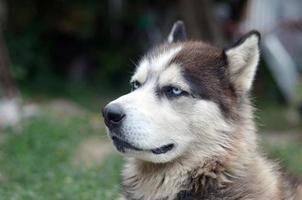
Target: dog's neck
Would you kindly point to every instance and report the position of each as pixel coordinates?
(180, 179)
(191, 174)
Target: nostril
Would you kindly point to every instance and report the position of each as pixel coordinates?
(113, 114)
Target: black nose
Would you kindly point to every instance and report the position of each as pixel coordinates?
(113, 115)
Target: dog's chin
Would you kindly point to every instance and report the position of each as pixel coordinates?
(159, 154)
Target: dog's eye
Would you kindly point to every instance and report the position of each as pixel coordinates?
(176, 91)
(171, 91)
(135, 85)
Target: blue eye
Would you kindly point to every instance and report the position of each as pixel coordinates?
(171, 91)
(135, 85)
(176, 91)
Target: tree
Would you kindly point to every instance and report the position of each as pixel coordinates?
(7, 83)
(10, 105)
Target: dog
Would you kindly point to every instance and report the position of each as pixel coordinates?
(187, 127)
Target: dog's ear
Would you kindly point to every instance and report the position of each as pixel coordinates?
(243, 58)
(178, 32)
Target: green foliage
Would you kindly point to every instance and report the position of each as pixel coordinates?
(289, 155)
(269, 116)
(90, 97)
(36, 164)
(29, 55)
(93, 34)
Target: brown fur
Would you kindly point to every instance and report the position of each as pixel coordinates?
(219, 178)
(205, 68)
(239, 173)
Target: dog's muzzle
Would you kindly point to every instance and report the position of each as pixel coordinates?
(114, 116)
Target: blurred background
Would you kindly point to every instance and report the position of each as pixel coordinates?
(62, 60)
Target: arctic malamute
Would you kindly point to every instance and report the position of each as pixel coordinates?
(187, 127)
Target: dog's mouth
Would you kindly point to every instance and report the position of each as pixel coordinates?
(122, 146)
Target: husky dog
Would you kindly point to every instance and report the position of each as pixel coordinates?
(187, 127)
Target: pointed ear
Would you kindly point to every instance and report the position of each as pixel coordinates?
(178, 32)
(243, 58)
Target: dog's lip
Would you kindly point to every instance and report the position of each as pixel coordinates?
(122, 145)
(163, 149)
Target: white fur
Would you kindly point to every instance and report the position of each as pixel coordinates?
(160, 62)
(208, 145)
(147, 128)
(154, 65)
(243, 60)
(152, 122)
(171, 34)
(173, 76)
(141, 71)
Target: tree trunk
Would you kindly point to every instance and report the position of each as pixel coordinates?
(8, 88)
(200, 21)
(7, 83)
(10, 102)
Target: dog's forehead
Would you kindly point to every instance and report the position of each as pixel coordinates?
(199, 58)
(156, 61)
(192, 57)
(201, 67)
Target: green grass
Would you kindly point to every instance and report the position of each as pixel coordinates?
(36, 164)
(288, 156)
(272, 118)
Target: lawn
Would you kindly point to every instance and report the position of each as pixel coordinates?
(37, 163)
(289, 156)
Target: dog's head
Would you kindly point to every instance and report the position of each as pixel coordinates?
(185, 96)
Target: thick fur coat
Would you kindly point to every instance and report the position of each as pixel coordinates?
(187, 128)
